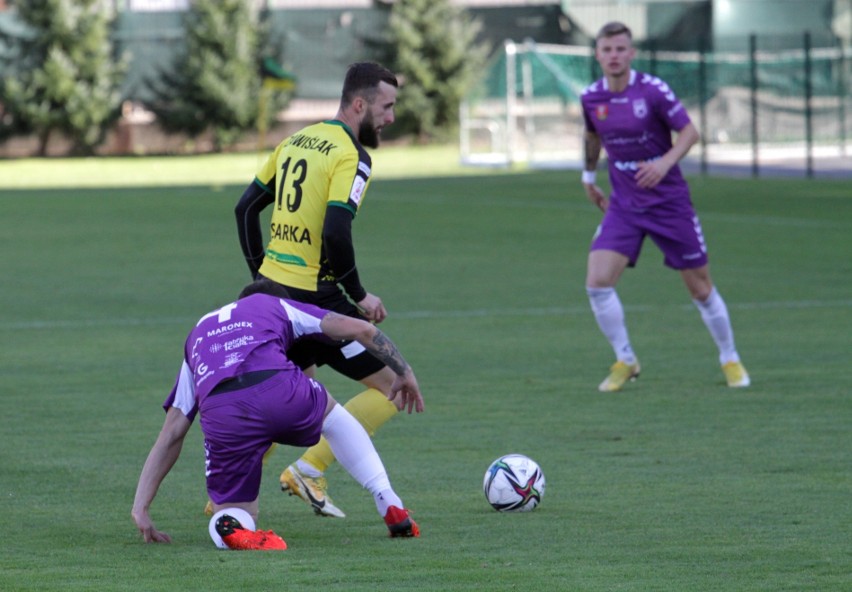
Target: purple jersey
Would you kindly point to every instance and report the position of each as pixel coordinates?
(248, 335)
(636, 125)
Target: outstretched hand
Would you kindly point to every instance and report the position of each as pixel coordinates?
(149, 532)
(405, 393)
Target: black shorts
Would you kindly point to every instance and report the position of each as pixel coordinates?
(357, 364)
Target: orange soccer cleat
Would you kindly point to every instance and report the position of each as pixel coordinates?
(400, 523)
(242, 539)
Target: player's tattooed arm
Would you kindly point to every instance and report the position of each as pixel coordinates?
(339, 326)
(591, 149)
(404, 392)
(384, 349)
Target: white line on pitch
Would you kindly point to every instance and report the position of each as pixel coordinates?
(431, 314)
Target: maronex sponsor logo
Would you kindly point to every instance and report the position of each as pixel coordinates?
(229, 328)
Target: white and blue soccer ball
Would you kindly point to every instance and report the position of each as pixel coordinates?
(514, 483)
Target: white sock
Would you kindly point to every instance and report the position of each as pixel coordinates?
(610, 317)
(386, 499)
(353, 448)
(714, 313)
(308, 469)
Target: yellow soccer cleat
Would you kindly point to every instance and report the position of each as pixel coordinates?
(619, 373)
(736, 375)
(310, 489)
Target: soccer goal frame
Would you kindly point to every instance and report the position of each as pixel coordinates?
(526, 109)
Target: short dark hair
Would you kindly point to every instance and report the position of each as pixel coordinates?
(362, 79)
(614, 28)
(264, 286)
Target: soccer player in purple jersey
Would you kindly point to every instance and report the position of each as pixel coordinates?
(632, 115)
(249, 394)
(315, 182)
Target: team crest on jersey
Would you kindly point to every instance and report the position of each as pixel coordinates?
(640, 108)
(602, 112)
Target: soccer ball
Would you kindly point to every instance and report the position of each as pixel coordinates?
(244, 518)
(513, 483)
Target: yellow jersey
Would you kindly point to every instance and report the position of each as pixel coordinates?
(321, 166)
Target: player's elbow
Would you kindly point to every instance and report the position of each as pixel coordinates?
(696, 136)
(243, 208)
(341, 327)
(362, 331)
(691, 135)
(252, 202)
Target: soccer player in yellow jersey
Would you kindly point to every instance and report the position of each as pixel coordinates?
(315, 181)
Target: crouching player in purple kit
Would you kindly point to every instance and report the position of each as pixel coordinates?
(632, 115)
(236, 374)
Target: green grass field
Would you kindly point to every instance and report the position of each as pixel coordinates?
(677, 483)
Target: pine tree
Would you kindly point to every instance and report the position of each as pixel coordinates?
(62, 77)
(215, 83)
(438, 59)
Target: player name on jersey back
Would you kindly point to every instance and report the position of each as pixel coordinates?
(312, 143)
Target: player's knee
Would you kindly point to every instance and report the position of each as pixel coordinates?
(698, 283)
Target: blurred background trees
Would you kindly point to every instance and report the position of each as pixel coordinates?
(215, 83)
(60, 75)
(432, 45)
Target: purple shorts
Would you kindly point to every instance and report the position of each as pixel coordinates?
(676, 232)
(240, 426)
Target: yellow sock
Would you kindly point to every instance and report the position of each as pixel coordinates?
(269, 452)
(371, 408)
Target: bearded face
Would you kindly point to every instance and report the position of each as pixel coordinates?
(368, 135)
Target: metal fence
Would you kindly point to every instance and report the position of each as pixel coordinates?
(755, 108)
